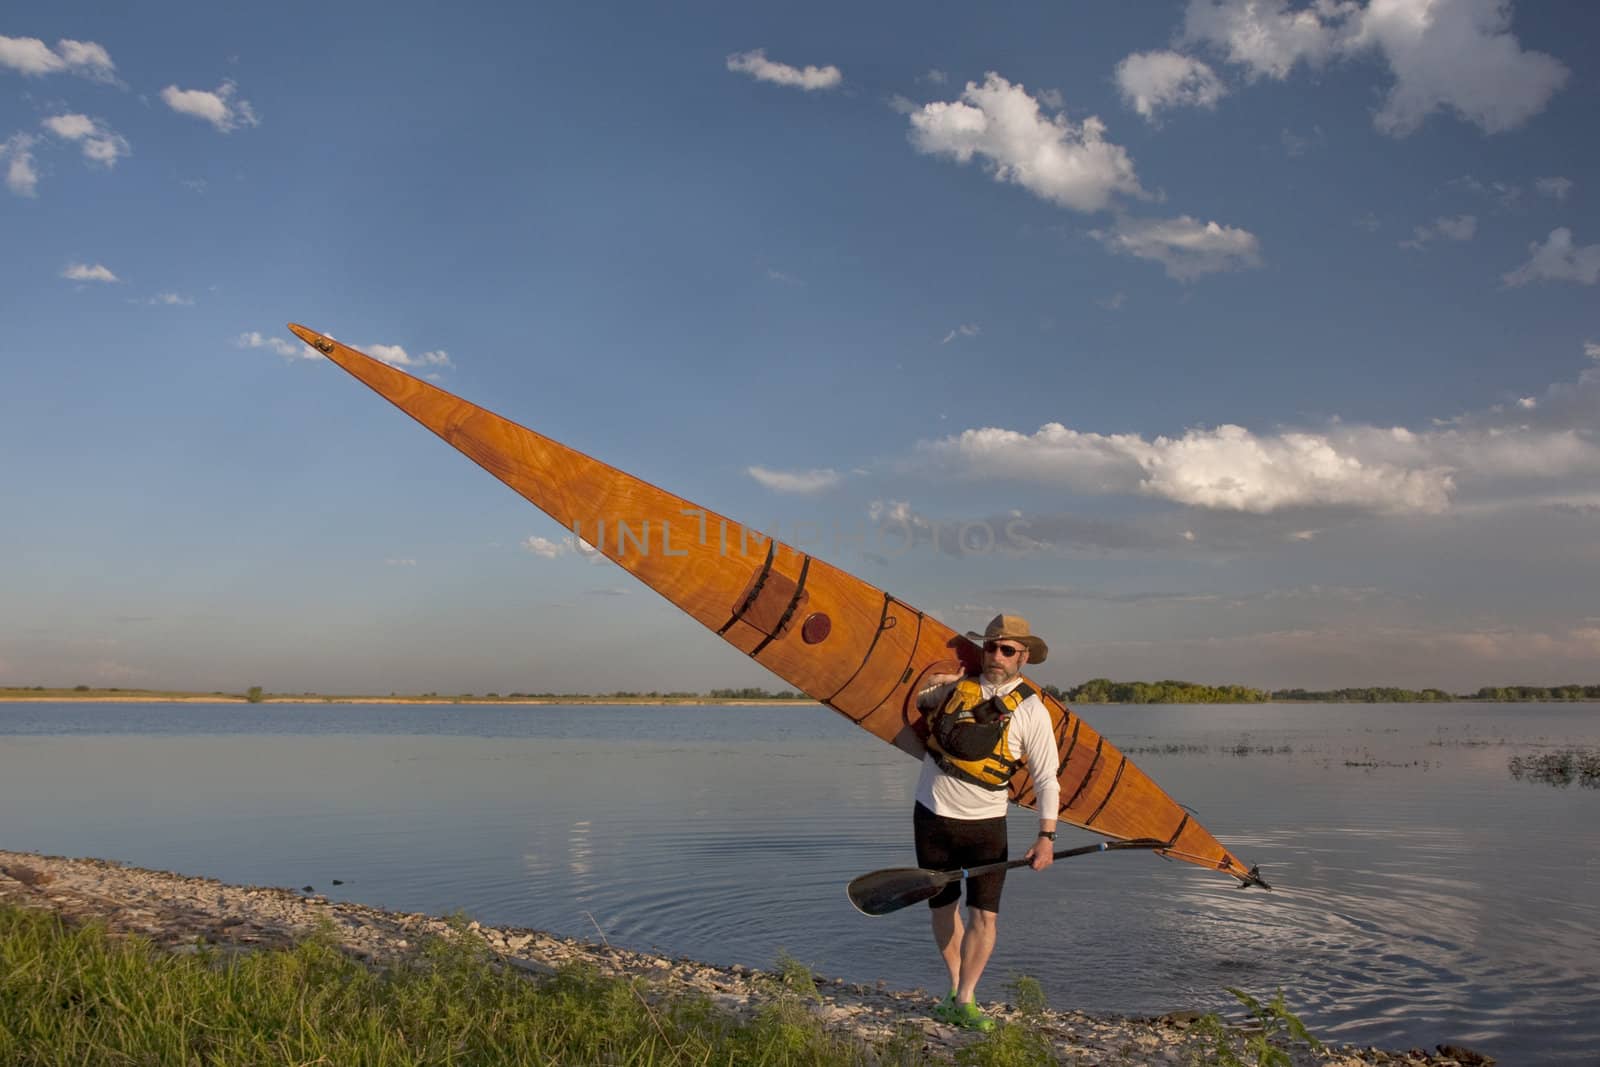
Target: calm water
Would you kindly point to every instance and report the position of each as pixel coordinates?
(1430, 898)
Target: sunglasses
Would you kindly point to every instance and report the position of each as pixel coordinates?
(1008, 651)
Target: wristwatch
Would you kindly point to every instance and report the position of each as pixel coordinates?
(1051, 834)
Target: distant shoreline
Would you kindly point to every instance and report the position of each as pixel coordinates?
(124, 696)
(227, 698)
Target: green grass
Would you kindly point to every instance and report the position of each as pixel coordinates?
(1267, 1042)
(1014, 1044)
(71, 995)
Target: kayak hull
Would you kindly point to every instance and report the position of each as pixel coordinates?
(853, 647)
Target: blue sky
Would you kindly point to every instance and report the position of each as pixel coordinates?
(1274, 326)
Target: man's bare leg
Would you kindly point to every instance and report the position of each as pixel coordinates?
(948, 935)
(975, 948)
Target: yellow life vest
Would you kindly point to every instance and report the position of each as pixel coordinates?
(970, 734)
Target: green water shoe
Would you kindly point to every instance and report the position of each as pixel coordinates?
(969, 1016)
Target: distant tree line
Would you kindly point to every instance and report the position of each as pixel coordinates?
(1094, 691)
(1386, 695)
(1538, 692)
(1105, 691)
(750, 693)
(1372, 694)
(1167, 691)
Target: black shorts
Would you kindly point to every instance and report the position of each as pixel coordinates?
(956, 844)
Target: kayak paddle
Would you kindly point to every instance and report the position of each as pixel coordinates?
(893, 888)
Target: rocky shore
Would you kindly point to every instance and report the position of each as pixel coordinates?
(180, 912)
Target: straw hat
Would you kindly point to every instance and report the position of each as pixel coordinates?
(1013, 628)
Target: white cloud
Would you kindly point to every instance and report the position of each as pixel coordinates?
(1581, 643)
(396, 356)
(287, 349)
(22, 177)
(87, 56)
(1506, 195)
(758, 66)
(1328, 655)
(83, 272)
(1186, 247)
(69, 127)
(966, 329)
(1071, 165)
(1558, 260)
(100, 143)
(1068, 592)
(1225, 469)
(1156, 81)
(546, 548)
(898, 511)
(1458, 56)
(1554, 188)
(1263, 36)
(217, 107)
(812, 481)
(399, 561)
(935, 76)
(172, 300)
(1459, 228)
(29, 55)
(1504, 454)
(32, 57)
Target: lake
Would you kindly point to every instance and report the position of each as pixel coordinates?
(1423, 894)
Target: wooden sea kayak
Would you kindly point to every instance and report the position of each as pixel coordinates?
(860, 651)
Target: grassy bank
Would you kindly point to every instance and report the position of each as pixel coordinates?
(73, 995)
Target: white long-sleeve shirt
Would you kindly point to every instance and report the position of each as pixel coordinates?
(1029, 739)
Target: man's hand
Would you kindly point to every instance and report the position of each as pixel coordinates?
(927, 696)
(1042, 854)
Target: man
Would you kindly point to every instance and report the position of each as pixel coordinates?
(983, 730)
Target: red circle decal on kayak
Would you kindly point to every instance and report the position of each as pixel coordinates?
(815, 628)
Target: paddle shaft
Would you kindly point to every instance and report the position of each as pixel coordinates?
(881, 892)
(1084, 850)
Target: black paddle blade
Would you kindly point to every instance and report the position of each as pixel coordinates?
(880, 892)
